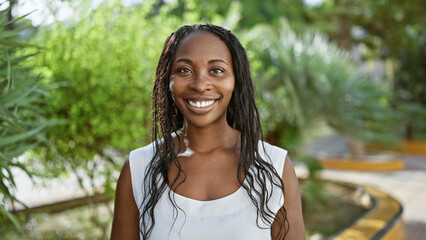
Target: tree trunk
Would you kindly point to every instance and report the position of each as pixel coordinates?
(409, 131)
(9, 16)
(356, 148)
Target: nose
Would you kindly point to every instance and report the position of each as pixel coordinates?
(201, 83)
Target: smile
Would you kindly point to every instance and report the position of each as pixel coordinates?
(201, 104)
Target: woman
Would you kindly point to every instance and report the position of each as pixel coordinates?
(207, 174)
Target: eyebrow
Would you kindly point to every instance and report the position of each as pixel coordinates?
(217, 60)
(209, 62)
(183, 60)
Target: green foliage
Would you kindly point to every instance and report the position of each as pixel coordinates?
(384, 29)
(252, 12)
(410, 89)
(308, 81)
(108, 60)
(414, 119)
(22, 120)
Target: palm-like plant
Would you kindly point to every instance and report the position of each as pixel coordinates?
(307, 82)
(22, 123)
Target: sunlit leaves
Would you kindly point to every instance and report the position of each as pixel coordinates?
(108, 61)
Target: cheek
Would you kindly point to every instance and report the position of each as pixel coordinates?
(229, 87)
(176, 88)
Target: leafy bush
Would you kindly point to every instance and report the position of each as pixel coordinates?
(23, 121)
(108, 60)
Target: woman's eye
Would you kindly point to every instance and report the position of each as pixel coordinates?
(183, 70)
(217, 70)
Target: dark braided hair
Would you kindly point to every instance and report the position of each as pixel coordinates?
(242, 115)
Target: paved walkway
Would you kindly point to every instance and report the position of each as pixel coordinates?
(38, 191)
(408, 186)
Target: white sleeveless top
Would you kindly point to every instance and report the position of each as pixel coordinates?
(232, 217)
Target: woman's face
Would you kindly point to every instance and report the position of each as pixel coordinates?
(202, 78)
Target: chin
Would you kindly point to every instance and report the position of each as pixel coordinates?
(205, 122)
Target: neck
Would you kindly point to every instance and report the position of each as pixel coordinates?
(206, 139)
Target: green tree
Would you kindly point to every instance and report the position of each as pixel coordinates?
(410, 89)
(385, 27)
(251, 12)
(393, 30)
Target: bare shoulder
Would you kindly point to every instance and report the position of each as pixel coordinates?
(126, 214)
(292, 202)
(288, 174)
(124, 183)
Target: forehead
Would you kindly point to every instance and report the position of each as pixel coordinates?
(203, 45)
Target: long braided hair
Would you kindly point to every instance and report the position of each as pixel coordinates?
(242, 115)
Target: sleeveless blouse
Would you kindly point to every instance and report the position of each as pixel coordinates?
(232, 217)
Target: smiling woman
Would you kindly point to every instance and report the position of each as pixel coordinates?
(208, 174)
(202, 79)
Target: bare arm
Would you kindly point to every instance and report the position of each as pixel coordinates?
(292, 204)
(126, 214)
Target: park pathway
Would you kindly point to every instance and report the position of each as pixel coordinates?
(408, 186)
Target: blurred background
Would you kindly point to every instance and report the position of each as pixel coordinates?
(340, 79)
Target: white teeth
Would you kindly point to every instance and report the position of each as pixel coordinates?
(201, 104)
